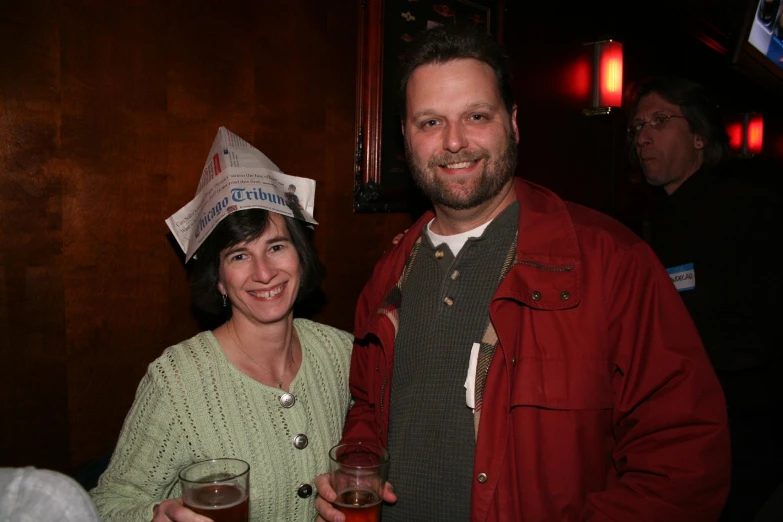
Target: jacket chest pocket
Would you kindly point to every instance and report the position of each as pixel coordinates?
(561, 384)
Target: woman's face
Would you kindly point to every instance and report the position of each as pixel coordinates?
(261, 277)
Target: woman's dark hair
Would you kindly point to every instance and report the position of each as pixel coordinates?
(454, 42)
(240, 227)
(699, 109)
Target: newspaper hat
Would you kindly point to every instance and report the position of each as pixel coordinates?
(237, 176)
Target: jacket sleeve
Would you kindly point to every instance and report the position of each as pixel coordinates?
(361, 423)
(672, 443)
(143, 469)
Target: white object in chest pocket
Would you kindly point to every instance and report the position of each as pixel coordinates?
(470, 381)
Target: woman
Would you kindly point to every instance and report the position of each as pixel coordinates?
(262, 387)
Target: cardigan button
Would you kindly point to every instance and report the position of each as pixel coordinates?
(287, 400)
(439, 254)
(482, 478)
(304, 491)
(449, 301)
(300, 441)
(564, 296)
(536, 295)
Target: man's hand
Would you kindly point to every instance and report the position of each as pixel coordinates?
(172, 510)
(326, 495)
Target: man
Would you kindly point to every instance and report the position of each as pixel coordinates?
(716, 232)
(589, 395)
(292, 200)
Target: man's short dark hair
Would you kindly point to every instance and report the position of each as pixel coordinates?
(699, 109)
(240, 227)
(454, 42)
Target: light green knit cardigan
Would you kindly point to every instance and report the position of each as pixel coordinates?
(193, 404)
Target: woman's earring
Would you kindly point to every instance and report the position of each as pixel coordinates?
(225, 304)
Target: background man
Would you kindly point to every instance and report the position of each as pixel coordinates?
(716, 233)
(589, 395)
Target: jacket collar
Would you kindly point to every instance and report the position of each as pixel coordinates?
(546, 231)
(547, 261)
(547, 270)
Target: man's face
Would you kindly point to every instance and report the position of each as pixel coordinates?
(461, 146)
(670, 152)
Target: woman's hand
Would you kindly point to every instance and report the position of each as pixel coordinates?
(172, 510)
(323, 502)
(326, 495)
(398, 237)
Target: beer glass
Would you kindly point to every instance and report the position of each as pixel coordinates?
(358, 475)
(217, 488)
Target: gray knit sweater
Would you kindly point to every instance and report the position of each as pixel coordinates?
(445, 309)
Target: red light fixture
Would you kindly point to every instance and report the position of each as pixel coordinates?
(746, 134)
(607, 77)
(577, 79)
(735, 132)
(755, 135)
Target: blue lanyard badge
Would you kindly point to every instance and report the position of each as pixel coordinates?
(683, 277)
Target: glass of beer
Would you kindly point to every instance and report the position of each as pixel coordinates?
(358, 475)
(218, 489)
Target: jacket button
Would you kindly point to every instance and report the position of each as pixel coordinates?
(304, 491)
(513, 361)
(449, 301)
(454, 275)
(439, 254)
(536, 295)
(300, 441)
(482, 478)
(287, 400)
(564, 296)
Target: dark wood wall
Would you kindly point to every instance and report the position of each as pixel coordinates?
(107, 113)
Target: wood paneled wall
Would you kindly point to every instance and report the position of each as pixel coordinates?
(107, 113)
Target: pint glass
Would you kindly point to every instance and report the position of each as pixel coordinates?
(218, 489)
(358, 475)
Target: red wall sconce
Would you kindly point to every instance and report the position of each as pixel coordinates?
(746, 134)
(606, 77)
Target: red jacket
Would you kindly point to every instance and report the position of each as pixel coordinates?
(600, 403)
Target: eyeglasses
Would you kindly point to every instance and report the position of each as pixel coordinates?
(656, 122)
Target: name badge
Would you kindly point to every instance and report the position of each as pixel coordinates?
(683, 277)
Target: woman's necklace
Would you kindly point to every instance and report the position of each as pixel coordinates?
(288, 362)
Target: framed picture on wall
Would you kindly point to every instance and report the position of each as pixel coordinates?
(382, 182)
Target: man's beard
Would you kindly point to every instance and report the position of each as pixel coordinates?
(440, 189)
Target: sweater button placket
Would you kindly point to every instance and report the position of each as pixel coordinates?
(304, 490)
(287, 400)
(300, 441)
